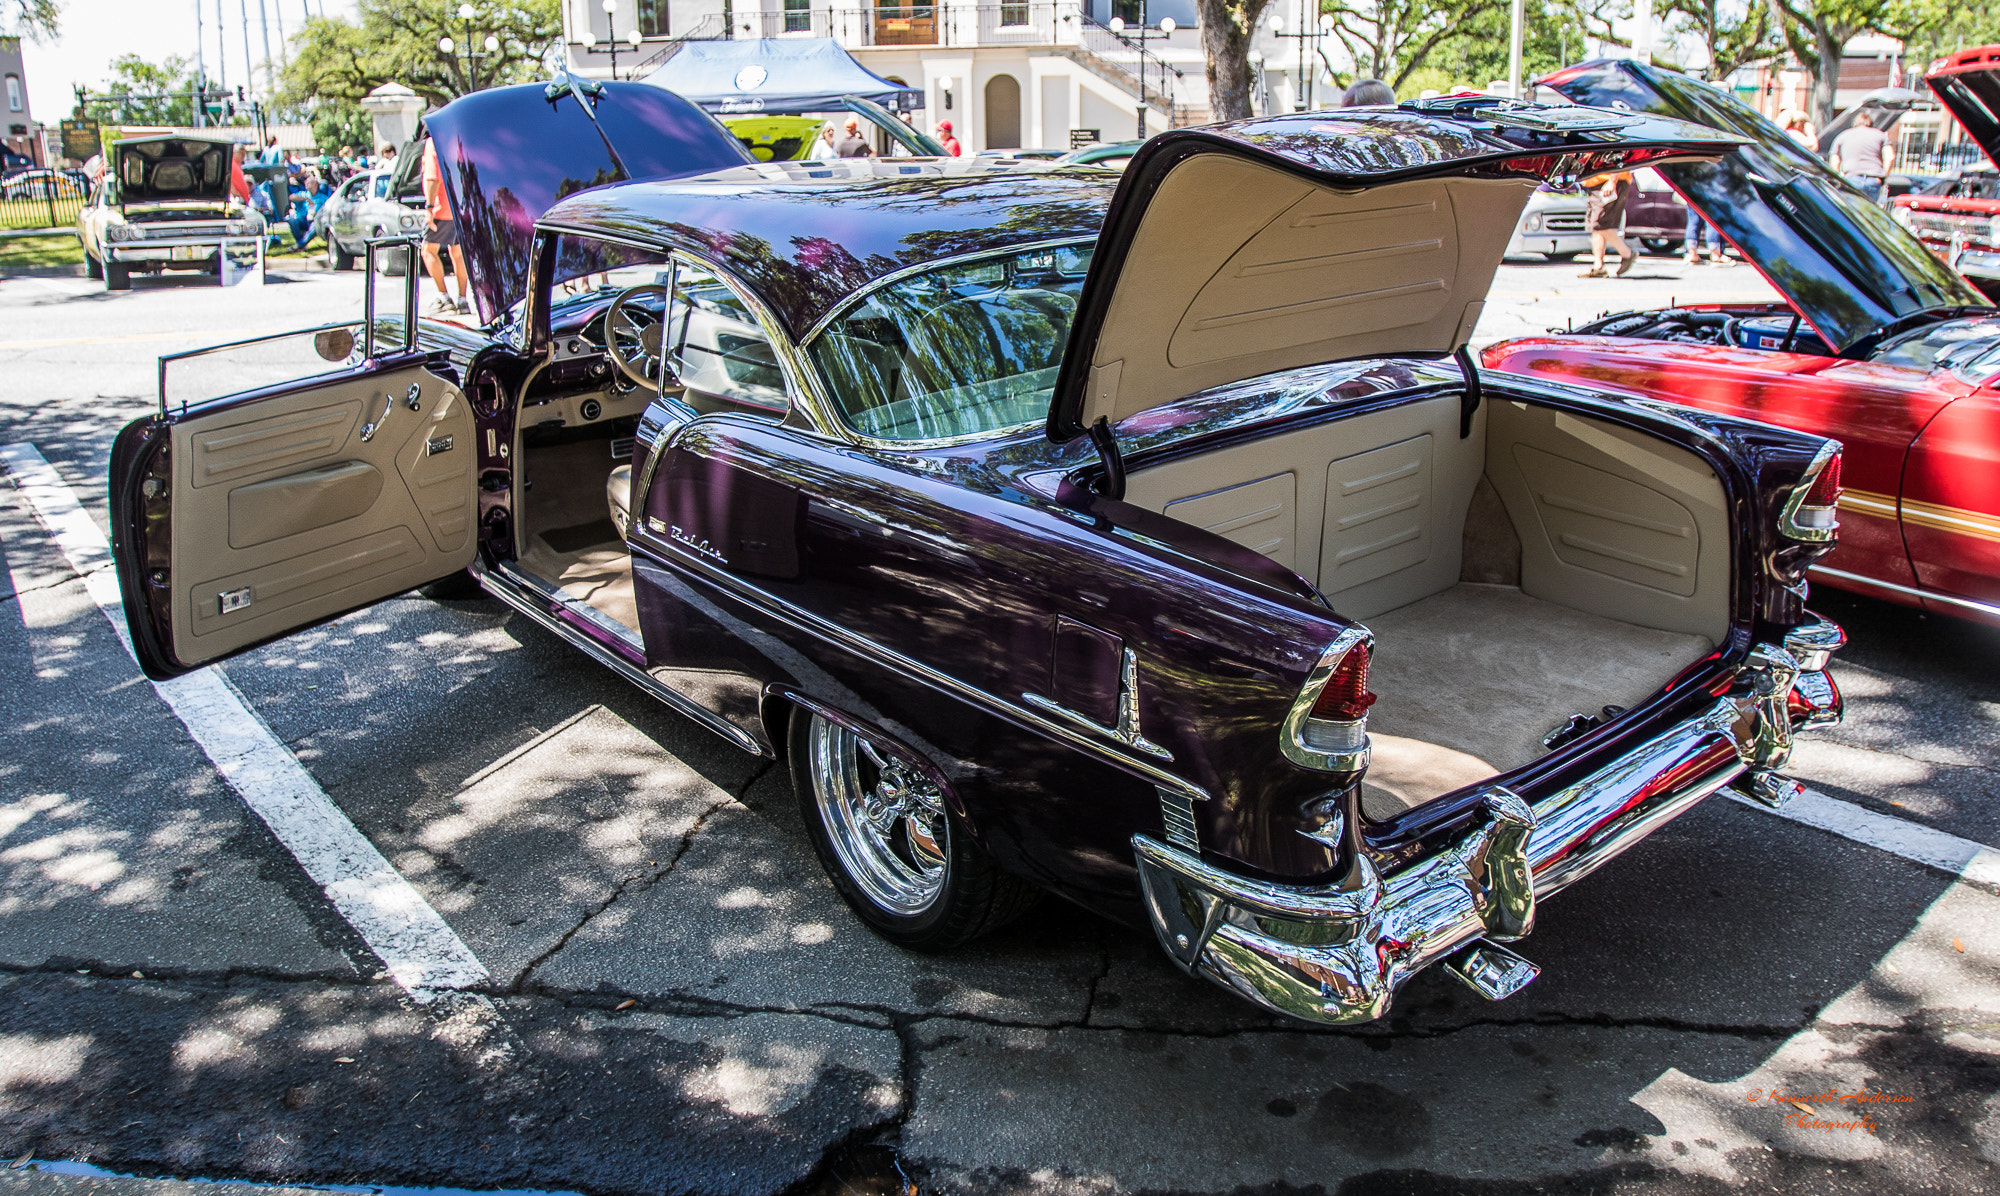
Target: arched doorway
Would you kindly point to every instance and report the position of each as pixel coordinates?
(1003, 112)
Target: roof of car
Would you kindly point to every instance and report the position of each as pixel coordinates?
(806, 235)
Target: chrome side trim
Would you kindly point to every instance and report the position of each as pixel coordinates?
(1127, 729)
(507, 588)
(1988, 609)
(1788, 518)
(812, 624)
(1291, 737)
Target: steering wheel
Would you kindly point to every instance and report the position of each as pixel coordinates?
(632, 334)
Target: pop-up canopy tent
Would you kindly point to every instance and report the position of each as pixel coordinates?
(773, 75)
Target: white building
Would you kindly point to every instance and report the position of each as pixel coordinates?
(1027, 74)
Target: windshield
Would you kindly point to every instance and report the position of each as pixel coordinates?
(1969, 348)
(967, 348)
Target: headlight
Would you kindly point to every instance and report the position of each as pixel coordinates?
(1535, 222)
(247, 225)
(124, 232)
(1993, 229)
(410, 222)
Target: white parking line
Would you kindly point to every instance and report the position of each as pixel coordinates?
(422, 953)
(1913, 841)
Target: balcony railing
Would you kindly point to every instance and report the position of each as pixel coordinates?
(1119, 57)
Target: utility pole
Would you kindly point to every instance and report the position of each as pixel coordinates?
(1642, 32)
(249, 69)
(264, 25)
(221, 49)
(1514, 50)
(200, 79)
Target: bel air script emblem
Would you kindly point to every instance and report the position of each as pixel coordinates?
(693, 544)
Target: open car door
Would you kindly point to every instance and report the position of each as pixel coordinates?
(343, 475)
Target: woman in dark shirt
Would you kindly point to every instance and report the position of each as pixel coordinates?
(1605, 219)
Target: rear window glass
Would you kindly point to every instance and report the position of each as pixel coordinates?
(967, 348)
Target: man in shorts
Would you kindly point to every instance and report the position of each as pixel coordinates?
(442, 231)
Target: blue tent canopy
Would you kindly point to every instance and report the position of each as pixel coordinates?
(772, 74)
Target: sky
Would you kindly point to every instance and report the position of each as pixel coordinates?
(93, 32)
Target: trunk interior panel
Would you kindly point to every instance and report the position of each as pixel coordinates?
(1548, 564)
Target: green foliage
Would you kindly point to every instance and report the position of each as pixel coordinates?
(1475, 53)
(337, 122)
(35, 19)
(148, 91)
(1816, 31)
(397, 41)
(1932, 29)
(1733, 38)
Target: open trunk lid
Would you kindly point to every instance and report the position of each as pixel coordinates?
(1240, 249)
(509, 153)
(1846, 267)
(1969, 85)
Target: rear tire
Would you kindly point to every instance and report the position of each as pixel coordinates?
(1659, 244)
(92, 268)
(117, 276)
(903, 862)
(1560, 257)
(342, 260)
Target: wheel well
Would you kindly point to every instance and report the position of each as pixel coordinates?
(776, 712)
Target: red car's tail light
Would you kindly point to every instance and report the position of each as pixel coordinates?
(1327, 728)
(1812, 511)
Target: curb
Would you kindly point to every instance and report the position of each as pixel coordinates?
(33, 1182)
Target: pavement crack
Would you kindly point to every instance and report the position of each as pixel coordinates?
(1103, 970)
(638, 882)
(52, 584)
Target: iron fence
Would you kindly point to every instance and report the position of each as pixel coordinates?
(41, 199)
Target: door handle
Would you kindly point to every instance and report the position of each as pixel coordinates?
(368, 430)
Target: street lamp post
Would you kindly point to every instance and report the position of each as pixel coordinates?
(1302, 92)
(471, 56)
(1167, 28)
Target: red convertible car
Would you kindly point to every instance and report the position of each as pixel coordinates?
(1961, 220)
(1881, 346)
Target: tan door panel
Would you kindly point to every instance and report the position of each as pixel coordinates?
(284, 515)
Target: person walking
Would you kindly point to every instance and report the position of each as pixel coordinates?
(1697, 231)
(1863, 156)
(950, 143)
(1604, 217)
(442, 233)
(854, 145)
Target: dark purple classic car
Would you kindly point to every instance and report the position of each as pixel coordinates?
(1033, 514)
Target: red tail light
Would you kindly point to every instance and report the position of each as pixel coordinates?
(1346, 697)
(1825, 490)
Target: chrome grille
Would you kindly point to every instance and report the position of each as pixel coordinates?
(1563, 222)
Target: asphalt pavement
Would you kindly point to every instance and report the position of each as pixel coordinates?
(674, 999)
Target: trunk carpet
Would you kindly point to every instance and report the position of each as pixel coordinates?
(1471, 679)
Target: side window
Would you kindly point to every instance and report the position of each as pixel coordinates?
(717, 348)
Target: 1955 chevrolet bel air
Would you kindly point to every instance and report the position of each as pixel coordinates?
(1033, 515)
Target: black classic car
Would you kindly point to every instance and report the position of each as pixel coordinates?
(1032, 515)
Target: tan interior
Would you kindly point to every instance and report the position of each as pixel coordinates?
(1546, 565)
(567, 536)
(1238, 270)
(283, 513)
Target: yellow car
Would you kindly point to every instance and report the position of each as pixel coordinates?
(776, 138)
(163, 204)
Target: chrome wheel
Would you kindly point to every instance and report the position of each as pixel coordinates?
(884, 821)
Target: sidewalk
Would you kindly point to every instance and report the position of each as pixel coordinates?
(32, 1182)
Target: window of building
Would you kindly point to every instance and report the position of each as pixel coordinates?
(1015, 13)
(13, 93)
(798, 16)
(653, 18)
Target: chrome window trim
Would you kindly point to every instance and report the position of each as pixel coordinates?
(668, 554)
(1291, 737)
(847, 430)
(1788, 519)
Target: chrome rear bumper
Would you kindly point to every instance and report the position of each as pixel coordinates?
(1336, 954)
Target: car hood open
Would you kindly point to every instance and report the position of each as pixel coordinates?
(509, 153)
(1848, 268)
(157, 169)
(1968, 83)
(1258, 245)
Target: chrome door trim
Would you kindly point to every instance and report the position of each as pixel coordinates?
(804, 620)
(506, 584)
(1988, 609)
